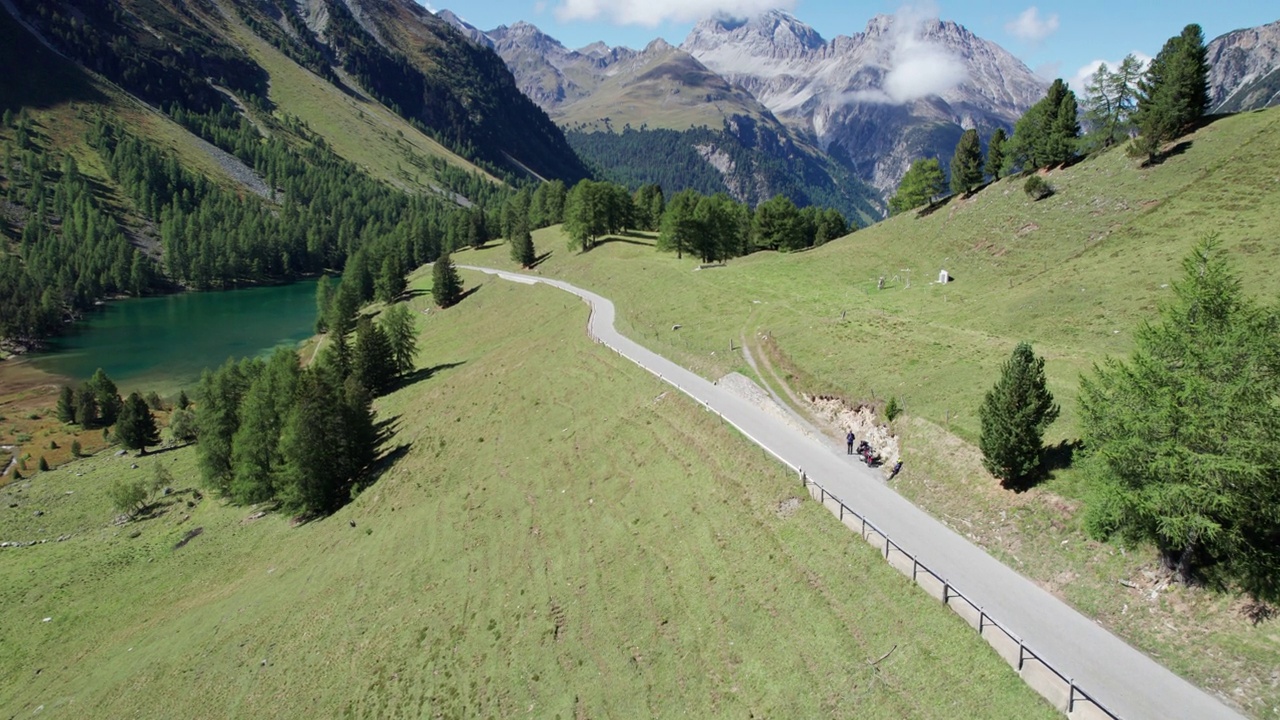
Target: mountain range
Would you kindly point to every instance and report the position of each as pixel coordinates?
(1244, 69)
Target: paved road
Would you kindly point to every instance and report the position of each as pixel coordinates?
(1121, 678)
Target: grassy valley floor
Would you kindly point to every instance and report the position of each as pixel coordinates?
(556, 535)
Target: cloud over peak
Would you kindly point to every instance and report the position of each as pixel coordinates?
(1030, 27)
(651, 13)
(918, 67)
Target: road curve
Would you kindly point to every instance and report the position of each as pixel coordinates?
(1125, 681)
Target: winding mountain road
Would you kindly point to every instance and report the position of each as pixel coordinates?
(1128, 683)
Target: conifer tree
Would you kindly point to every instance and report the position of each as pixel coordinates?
(778, 224)
(446, 286)
(183, 401)
(397, 324)
(136, 426)
(182, 425)
(372, 362)
(1014, 415)
(219, 395)
(255, 456)
(86, 406)
(106, 396)
(966, 163)
(923, 182)
(522, 249)
(67, 405)
(995, 154)
(1182, 438)
(324, 299)
(1174, 93)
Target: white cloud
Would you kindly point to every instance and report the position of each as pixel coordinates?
(651, 13)
(1078, 81)
(1030, 27)
(917, 67)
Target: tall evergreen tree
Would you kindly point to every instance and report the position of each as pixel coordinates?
(218, 419)
(106, 395)
(778, 225)
(995, 154)
(1183, 439)
(324, 300)
(67, 405)
(397, 324)
(1047, 133)
(86, 406)
(311, 444)
(522, 249)
(1174, 93)
(446, 286)
(136, 426)
(679, 226)
(966, 163)
(923, 182)
(255, 453)
(372, 362)
(1014, 415)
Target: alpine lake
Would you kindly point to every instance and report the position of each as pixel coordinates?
(165, 343)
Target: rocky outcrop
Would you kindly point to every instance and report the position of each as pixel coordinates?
(1244, 69)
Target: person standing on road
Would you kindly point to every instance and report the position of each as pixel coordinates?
(848, 439)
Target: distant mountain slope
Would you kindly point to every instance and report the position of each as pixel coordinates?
(660, 115)
(1244, 72)
(901, 89)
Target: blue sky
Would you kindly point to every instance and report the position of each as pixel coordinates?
(1054, 39)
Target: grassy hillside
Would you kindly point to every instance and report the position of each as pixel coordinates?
(526, 552)
(1074, 273)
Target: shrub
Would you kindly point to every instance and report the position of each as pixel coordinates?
(43, 465)
(892, 409)
(75, 448)
(1036, 188)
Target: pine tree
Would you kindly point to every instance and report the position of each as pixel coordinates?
(372, 362)
(678, 225)
(219, 395)
(106, 395)
(995, 154)
(966, 163)
(398, 326)
(183, 401)
(67, 405)
(1182, 438)
(1174, 93)
(522, 249)
(777, 224)
(136, 426)
(923, 182)
(1014, 416)
(446, 286)
(1047, 134)
(86, 406)
(324, 300)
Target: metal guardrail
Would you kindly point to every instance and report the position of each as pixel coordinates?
(1075, 694)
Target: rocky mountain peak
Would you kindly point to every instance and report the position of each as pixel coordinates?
(775, 29)
(1244, 69)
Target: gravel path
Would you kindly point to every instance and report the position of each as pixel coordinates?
(1128, 683)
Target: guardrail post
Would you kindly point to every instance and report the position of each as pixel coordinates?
(841, 512)
(914, 564)
(886, 547)
(946, 590)
(982, 616)
(1021, 654)
(1071, 695)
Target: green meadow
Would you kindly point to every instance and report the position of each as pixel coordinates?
(555, 533)
(1074, 273)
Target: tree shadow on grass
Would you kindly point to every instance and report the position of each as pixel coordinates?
(933, 207)
(422, 374)
(619, 239)
(1052, 459)
(1179, 149)
(408, 295)
(468, 293)
(540, 259)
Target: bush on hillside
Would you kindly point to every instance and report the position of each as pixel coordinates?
(1036, 188)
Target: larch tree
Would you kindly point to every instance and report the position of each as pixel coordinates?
(397, 324)
(255, 456)
(1014, 415)
(1183, 439)
(923, 182)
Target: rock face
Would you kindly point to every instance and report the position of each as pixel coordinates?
(905, 87)
(1244, 69)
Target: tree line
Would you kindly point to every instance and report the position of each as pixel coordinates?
(711, 227)
(1150, 106)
